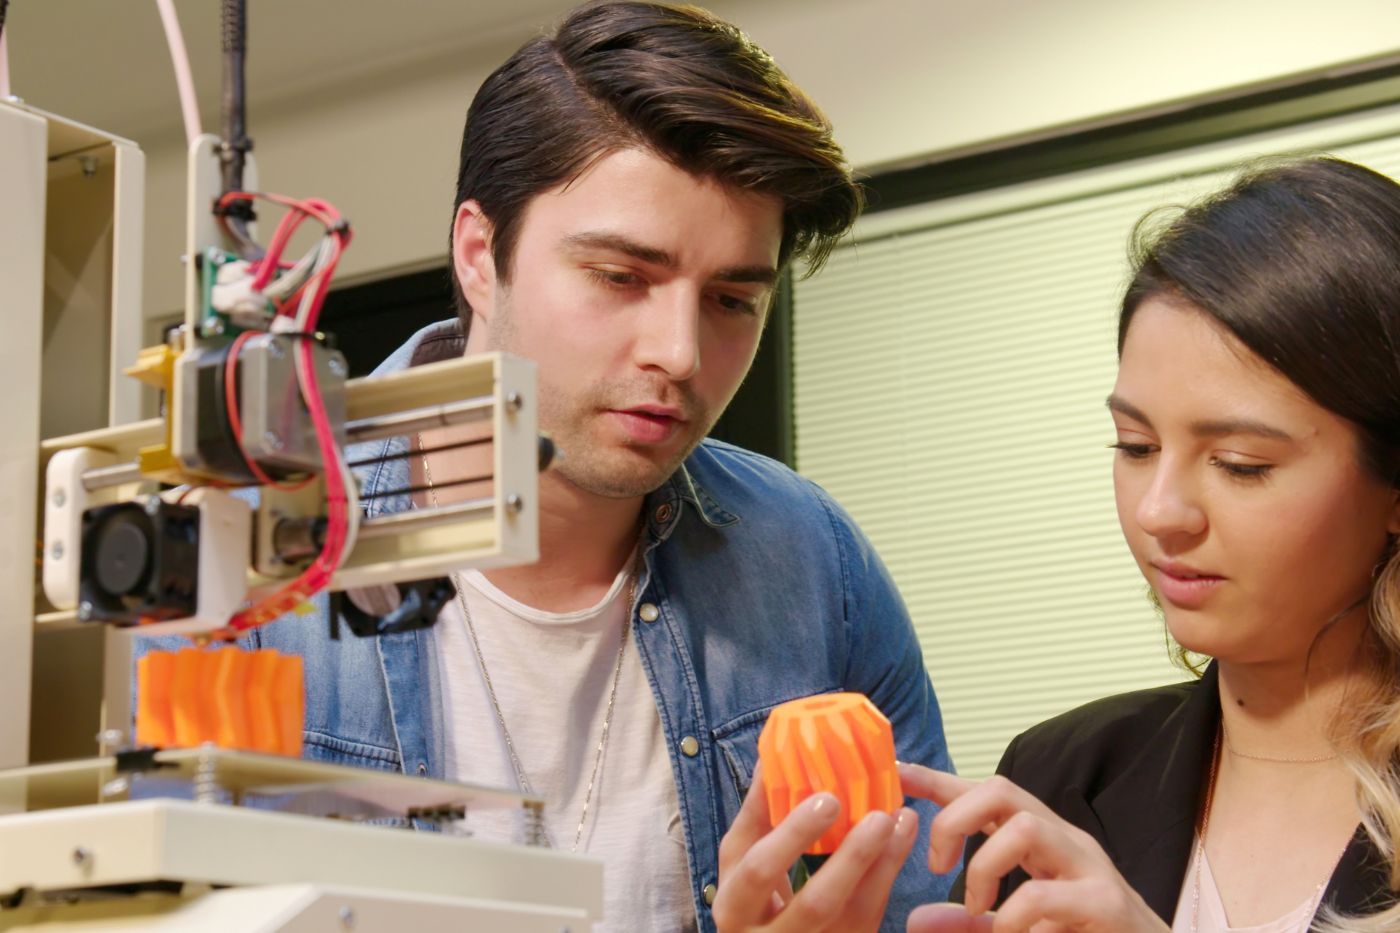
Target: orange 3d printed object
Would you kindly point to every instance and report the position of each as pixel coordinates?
(251, 700)
(834, 742)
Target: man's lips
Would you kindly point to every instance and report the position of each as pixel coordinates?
(648, 424)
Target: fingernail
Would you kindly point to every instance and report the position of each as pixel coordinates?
(906, 822)
(877, 820)
(823, 804)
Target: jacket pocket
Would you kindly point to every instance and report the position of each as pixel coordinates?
(321, 747)
(738, 742)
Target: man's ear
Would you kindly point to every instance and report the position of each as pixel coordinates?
(472, 261)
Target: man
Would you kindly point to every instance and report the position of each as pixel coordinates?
(630, 191)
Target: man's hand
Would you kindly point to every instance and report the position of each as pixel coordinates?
(848, 894)
(1073, 885)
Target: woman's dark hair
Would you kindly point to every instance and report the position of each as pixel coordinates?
(673, 80)
(1301, 262)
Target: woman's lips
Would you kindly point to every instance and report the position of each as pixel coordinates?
(1184, 587)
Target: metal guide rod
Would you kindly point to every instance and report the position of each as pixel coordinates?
(420, 419)
(419, 519)
(102, 477)
(365, 429)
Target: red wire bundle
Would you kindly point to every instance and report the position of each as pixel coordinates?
(318, 575)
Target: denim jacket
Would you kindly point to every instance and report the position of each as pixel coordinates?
(766, 592)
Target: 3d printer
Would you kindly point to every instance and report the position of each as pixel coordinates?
(231, 508)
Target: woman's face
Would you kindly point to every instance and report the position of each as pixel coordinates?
(1244, 502)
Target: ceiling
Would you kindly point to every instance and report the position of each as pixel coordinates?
(106, 62)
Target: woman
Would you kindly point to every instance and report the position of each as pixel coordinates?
(1257, 410)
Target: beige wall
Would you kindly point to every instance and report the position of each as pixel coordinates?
(903, 80)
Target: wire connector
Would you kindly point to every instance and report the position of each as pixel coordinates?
(232, 293)
(236, 209)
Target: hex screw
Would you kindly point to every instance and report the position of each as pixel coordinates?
(56, 552)
(347, 917)
(60, 498)
(82, 856)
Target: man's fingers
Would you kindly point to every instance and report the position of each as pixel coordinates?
(947, 918)
(750, 825)
(824, 899)
(747, 886)
(867, 904)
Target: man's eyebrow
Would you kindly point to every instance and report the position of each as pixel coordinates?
(1221, 427)
(760, 275)
(620, 244)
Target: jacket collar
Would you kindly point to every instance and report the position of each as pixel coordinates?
(664, 504)
(1146, 817)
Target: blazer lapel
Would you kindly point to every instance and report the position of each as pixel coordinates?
(1147, 815)
(1359, 885)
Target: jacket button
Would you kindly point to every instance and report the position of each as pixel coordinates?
(708, 892)
(690, 747)
(649, 612)
(663, 512)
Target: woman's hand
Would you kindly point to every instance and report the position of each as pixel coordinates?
(847, 895)
(1073, 885)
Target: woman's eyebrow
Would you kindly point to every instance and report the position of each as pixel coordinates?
(1124, 407)
(1220, 427)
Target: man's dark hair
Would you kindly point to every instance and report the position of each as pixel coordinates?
(673, 80)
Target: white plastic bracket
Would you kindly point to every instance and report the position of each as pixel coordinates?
(65, 500)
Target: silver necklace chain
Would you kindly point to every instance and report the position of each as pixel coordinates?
(1229, 746)
(520, 777)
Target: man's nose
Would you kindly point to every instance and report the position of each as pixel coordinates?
(668, 337)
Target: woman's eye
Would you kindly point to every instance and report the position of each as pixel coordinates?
(1132, 451)
(1242, 470)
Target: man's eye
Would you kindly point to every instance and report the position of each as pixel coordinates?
(613, 277)
(735, 304)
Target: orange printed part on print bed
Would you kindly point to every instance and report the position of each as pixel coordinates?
(834, 742)
(251, 700)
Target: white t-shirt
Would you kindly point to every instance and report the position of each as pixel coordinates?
(553, 674)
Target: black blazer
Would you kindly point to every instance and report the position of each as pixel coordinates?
(1131, 770)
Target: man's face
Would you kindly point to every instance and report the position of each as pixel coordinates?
(640, 291)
